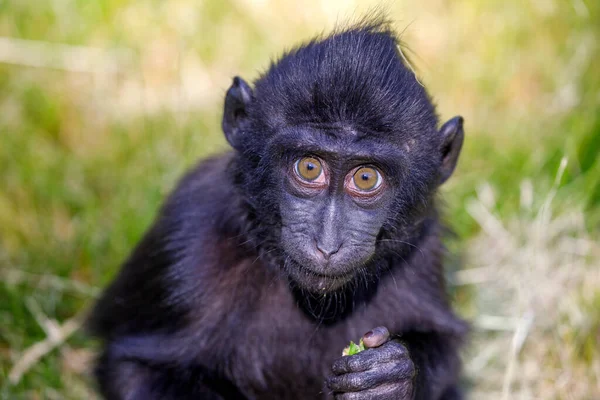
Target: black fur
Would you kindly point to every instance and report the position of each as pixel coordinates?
(205, 306)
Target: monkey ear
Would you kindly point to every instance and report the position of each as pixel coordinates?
(235, 116)
(452, 140)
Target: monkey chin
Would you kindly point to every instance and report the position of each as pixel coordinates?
(318, 283)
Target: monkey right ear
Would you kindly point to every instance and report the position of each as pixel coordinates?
(235, 116)
(452, 140)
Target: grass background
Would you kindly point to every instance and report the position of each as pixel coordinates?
(103, 104)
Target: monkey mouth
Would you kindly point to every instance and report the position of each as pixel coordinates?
(318, 282)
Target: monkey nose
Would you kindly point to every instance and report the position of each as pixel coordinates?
(329, 249)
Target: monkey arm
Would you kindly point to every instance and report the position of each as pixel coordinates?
(143, 357)
(124, 377)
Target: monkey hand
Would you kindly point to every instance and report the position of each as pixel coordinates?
(382, 371)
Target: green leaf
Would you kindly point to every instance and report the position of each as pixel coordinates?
(353, 348)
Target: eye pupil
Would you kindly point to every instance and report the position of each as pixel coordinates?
(310, 166)
(365, 177)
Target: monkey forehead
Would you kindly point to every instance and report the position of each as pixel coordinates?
(342, 144)
(347, 139)
(336, 135)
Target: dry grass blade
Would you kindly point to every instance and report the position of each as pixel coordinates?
(57, 335)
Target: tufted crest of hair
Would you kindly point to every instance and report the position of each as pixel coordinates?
(356, 76)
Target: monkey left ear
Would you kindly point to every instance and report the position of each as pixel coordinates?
(452, 140)
(235, 116)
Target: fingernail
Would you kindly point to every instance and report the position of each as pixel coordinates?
(368, 334)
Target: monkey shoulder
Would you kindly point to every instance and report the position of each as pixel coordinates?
(181, 262)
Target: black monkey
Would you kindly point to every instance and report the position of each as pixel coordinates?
(321, 225)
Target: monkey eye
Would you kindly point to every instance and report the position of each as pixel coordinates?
(309, 169)
(365, 180)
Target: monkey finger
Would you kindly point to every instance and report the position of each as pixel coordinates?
(358, 362)
(376, 337)
(356, 381)
(384, 373)
(391, 351)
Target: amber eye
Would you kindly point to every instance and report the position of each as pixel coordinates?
(366, 179)
(309, 168)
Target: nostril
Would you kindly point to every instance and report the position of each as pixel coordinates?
(328, 250)
(324, 253)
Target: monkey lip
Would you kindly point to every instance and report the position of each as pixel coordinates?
(330, 275)
(318, 281)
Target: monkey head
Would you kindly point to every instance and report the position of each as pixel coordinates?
(338, 153)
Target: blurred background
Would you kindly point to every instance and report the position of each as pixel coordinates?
(104, 104)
